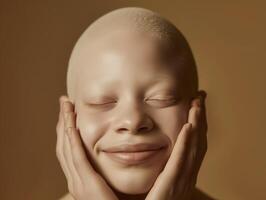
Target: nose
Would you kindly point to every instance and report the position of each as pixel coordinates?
(133, 120)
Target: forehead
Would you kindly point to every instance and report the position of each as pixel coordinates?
(132, 47)
(126, 59)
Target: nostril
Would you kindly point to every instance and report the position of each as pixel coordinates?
(143, 128)
(122, 129)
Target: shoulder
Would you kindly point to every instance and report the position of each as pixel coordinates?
(67, 196)
(200, 195)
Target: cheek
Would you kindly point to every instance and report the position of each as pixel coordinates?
(90, 127)
(171, 121)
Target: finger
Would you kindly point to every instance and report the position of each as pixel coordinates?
(189, 145)
(68, 114)
(178, 156)
(168, 179)
(80, 160)
(191, 164)
(68, 106)
(60, 123)
(197, 116)
(194, 114)
(60, 141)
(204, 116)
(69, 119)
(200, 102)
(69, 122)
(75, 178)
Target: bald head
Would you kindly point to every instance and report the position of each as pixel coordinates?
(132, 20)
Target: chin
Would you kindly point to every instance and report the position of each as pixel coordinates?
(131, 179)
(134, 181)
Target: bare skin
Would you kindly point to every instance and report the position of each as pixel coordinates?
(126, 87)
(171, 184)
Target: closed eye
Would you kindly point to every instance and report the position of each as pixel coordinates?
(162, 102)
(161, 99)
(100, 104)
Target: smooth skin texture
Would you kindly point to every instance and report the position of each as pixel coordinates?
(127, 91)
(131, 86)
(173, 183)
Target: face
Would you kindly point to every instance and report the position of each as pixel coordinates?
(128, 92)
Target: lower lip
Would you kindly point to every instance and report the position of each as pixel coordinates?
(133, 158)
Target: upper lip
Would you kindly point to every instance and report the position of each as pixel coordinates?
(134, 147)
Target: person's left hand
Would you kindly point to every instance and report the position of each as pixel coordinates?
(179, 177)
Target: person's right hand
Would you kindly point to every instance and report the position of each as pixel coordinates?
(83, 181)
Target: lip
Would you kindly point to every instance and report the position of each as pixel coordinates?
(133, 147)
(134, 154)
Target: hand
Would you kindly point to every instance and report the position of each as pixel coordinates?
(83, 181)
(178, 179)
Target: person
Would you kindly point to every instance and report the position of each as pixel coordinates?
(133, 124)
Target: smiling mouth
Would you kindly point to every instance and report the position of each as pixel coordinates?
(134, 157)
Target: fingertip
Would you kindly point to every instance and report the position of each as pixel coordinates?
(196, 102)
(203, 96)
(200, 98)
(203, 93)
(67, 106)
(189, 126)
(63, 98)
(186, 127)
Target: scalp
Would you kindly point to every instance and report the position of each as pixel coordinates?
(140, 20)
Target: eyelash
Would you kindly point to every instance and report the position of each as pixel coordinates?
(102, 104)
(162, 99)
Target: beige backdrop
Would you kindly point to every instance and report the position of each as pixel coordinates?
(228, 40)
